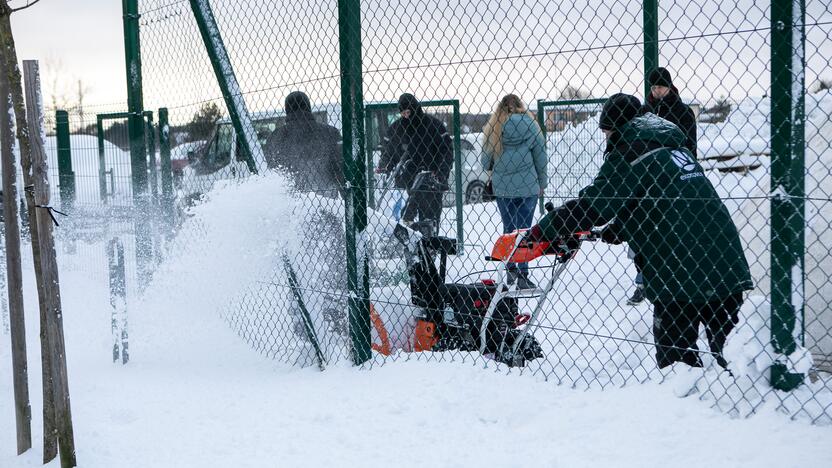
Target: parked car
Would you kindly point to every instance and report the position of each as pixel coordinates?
(220, 157)
(474, 178)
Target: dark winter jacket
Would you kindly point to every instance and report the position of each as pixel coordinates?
(672, 215)
(309, 151)
(418, 143)
(672, 108)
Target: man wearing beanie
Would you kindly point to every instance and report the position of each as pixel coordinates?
(694, 266)
(309, 153)
(307, 150)
(418, 143)
(665, 102)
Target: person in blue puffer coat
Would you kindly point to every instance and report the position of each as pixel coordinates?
(515, 155)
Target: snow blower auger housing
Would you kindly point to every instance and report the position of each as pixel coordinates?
(450, 316)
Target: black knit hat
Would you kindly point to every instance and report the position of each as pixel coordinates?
(660, 77)
(408, 101)
(619, 109)
(297, 101)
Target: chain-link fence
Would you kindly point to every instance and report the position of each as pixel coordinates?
(380, 213)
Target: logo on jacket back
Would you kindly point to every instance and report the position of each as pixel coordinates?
(683, 160)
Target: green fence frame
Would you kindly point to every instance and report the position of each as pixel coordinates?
(66, 177)
(542, 104)
(150, 147)
(164, 162)
(788, 195)
(352, 125)
(456, 123)
(650, 18)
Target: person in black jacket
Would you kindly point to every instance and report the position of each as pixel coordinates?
(665, 102)
(419, 152)
(307, 150)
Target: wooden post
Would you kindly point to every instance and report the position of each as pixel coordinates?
(49, 265)
(13, 269)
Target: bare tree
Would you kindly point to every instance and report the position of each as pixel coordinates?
(80, 93)
(63, 92)
(53, 70)
(6, 9)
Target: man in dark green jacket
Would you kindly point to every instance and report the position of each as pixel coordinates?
(694, 266)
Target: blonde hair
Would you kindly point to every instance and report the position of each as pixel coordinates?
(493, 129)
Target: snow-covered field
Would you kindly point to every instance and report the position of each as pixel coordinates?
(212, 380)
(195, 394)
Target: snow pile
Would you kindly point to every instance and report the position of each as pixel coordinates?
(233, 240)
(819, 225)
(746, 130)
(575, 156)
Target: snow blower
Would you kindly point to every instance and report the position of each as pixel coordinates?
(484, 316)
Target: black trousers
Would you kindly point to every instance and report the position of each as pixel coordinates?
(676, 329)
(424, 200)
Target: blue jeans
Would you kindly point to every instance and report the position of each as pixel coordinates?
(517, 213)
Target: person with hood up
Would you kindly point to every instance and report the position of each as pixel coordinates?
(309, 153)
(415, 144)
(515, 155)
(694, 265)
(307, 150)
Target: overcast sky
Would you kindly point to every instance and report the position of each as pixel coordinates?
(275, 44)
(80, 39)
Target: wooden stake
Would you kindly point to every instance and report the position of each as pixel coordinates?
(13, 267)
(49, 264)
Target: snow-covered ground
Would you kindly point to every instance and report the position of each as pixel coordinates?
(226, 407)
(195, 394)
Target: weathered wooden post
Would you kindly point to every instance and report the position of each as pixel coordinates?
(20, 373)
(49, 279)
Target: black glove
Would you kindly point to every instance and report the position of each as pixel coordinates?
(610, 234)
(535, 234)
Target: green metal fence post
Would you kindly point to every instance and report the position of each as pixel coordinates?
(166, 169)
(227, 80)
(787, 183)
(66, 177)
(135, 127)
(460, 235)
(352, 112)
(541, 120)
(651, 39)
(102, 160)
(150, 134)
(368, 150)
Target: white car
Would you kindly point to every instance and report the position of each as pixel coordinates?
(474, 178)
(220, 158)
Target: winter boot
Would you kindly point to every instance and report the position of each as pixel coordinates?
(637, 297)
(523, 282)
